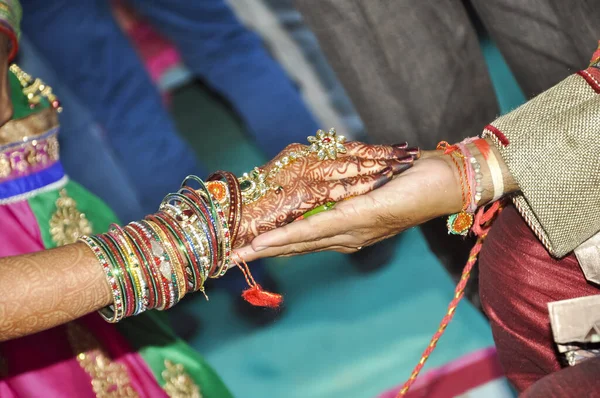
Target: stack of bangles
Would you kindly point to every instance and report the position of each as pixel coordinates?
(469, 171)
(154, 263)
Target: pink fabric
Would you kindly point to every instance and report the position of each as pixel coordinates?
(158, 53)
(456, 378)
(43, 364)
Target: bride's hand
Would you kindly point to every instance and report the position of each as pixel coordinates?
(308, 182)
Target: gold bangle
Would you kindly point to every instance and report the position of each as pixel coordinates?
(175, 263)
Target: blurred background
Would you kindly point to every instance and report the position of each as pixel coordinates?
(150, 96)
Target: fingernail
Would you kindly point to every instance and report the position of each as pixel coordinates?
(406, 159)
(384, 177)
(401, 146)
(399, 167)
(414, 151)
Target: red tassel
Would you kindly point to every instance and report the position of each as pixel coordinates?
(260, 298)
(255, 295)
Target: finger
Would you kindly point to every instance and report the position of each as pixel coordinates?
(285, 157)
(367, 151)
(295, 249)
(338, 190)
(246, 253)
(329, 223)
(351, 166)
(320, 226)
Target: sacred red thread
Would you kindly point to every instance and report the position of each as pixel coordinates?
(482, 225)
(255, 295)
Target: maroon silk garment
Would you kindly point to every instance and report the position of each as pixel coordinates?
(517, 279)
(572, 382)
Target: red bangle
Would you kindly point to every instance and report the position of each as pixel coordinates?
(145, 258)
(235, 201)
(109, 242)
(165, 283)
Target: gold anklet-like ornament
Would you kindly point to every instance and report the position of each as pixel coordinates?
(257, 183)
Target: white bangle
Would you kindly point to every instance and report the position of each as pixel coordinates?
(496, 173)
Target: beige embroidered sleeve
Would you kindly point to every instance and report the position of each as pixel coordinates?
(551, 146)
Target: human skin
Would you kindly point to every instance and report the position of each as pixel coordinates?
(45, 289)
(428, 190)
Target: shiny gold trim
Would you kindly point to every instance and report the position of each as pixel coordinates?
(67, 223)
(29, 127)
(109, 379)
(29, 155)
(178, 384)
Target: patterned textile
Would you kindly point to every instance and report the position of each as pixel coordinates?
(41, 209)
(552, 152)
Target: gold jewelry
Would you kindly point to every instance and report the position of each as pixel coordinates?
(68, 223)
(35, 89)
(325, 145)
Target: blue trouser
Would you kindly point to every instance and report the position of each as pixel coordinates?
(93, 58)
(232, 60)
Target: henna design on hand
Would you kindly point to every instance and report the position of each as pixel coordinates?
(308, 183)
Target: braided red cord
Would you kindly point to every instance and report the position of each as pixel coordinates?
(481, 229)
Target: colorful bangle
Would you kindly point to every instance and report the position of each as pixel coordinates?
(181, 240)
(163, 280)
(117, 272)
(134, 267)
(128, 279)
(114, 312)
(177, 274)
(165, 266)
(225, 260)
(195, 201)
(203, 188)
(200, 244)
(153, 263)
(235, 200)
(146, 258)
